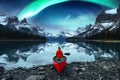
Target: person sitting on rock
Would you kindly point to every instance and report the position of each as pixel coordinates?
(59, 53)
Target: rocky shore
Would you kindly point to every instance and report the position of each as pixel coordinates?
(98, 70)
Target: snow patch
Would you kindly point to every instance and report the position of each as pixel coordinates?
(67, 33)
(112, 11)
(106, 25)
(3, 19)
(106, 55)
(112, 28)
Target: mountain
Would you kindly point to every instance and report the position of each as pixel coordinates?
(12, 20)
(24, 21)
(109, 15)
(12, 28)
(107, 26)
(61, 36)
(41, 31)
(54, 37)
(3, 18)
(67, 33)
(82, 32)
(22, 25)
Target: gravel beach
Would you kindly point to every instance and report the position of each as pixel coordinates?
(98, 70)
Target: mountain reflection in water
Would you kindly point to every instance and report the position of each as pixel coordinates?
(28, 54)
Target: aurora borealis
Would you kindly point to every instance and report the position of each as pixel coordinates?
(38, 5)
(57, 15)
(108, 3)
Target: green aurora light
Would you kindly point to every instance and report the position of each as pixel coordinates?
(38, 5)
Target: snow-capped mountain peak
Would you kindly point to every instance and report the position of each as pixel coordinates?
(24, 21)
(67, 33)
(105, 27)
(23, 26)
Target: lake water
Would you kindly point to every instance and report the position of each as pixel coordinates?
(28, 54)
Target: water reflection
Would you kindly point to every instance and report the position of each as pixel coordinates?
(102, 50)
(27, 54)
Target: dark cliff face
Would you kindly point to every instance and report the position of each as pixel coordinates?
(107, 17)
(103, 17)
(12, 20)
(25, 30)
(24, 21)
(118, 12)
(34, 30)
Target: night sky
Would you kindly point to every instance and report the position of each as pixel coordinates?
(57, 15)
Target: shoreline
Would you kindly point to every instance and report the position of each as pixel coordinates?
(23, 40)
(105, 41)
(74, 40)
(99, 69)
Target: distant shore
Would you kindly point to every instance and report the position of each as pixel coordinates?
(98, 70)
(75, 39)
(24, 40)
(107, 41)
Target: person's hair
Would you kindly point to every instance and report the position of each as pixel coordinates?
(59, 48)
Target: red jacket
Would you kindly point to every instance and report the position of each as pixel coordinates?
(59, 54)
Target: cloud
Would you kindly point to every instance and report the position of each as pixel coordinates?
(80, 21)
(70, 23)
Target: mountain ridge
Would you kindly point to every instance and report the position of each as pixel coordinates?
(13, 29)
(106, 27)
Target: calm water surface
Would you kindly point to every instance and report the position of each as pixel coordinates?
(28, 54)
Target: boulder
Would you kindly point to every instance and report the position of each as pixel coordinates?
(2, 69)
